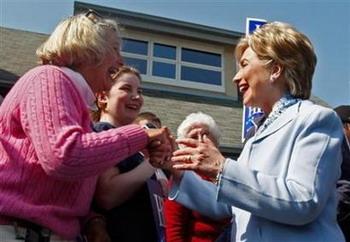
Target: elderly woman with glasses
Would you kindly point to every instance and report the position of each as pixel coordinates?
(283, 185)
(49, 156)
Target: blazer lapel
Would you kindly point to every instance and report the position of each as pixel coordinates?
(287, 116)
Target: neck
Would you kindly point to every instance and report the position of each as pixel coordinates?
(275, 94)
(268, 105)
(85, 71)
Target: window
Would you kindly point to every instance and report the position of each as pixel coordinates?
(135, 46)
(200, 75)
(175, 65)
(135, 54)
(139, 64)
(201, 57)
(164, 51)
(164, 61)
(163, 69)
(200, 66)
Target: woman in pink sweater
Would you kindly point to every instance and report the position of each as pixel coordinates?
(49, 156)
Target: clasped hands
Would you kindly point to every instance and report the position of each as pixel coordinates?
(198, 154)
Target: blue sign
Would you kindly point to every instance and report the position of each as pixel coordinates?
(251, 115)
(252, 24)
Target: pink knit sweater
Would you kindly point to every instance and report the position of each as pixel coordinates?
(49, 156)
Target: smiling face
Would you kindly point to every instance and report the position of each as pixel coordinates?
(257, 83)
(123, 102)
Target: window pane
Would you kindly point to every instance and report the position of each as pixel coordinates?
(164, 51)
(201, 57)
(135, 46)
(200, 75)
(163, 69)
(139, 64)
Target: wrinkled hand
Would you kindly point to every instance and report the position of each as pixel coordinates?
(160, 147)
(200, 155)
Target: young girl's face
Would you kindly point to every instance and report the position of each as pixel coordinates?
(124, 100)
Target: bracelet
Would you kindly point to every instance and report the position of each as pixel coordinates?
(218, 175)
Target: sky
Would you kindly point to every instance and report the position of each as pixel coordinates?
(325, 22)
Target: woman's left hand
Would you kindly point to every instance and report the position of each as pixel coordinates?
(200, 155)
(160, 148)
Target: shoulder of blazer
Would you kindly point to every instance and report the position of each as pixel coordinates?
(309, 109)
(301, 109)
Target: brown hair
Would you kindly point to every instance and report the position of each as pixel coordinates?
(149, 116)
(96, 114)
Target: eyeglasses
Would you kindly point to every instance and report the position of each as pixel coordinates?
(93, 15)
(149, 126)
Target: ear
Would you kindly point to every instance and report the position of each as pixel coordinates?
(102, 99)
(276, 72)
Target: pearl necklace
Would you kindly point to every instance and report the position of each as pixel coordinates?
(278, 108)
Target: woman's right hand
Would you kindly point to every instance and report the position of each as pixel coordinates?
(160, 146)
(200, 155)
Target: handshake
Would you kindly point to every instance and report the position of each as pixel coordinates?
(160, 147)
(199, 152)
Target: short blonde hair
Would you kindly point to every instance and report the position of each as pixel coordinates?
(280, 43)
(79, 40)
(199, 118)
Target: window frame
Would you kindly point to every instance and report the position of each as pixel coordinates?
(150, 78)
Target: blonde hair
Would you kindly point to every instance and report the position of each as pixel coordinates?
(96, 114)
(280, 43)
(80, 39)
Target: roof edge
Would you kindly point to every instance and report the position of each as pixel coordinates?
(136, 19)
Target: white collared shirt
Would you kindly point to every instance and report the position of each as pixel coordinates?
(83, 87)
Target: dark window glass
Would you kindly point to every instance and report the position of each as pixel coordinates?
(135, 46)
(200, 75)
(164, 51)
(163, 69)
(200, 57)
(139, 64)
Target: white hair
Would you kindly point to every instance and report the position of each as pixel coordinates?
(198, 119)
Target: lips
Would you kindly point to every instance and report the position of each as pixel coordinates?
(133, 106)
(243, 88)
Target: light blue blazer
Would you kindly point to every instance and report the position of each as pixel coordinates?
(282, 188)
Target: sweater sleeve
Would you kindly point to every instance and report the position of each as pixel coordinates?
(56, 120)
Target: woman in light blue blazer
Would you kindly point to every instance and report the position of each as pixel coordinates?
(282, 188)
